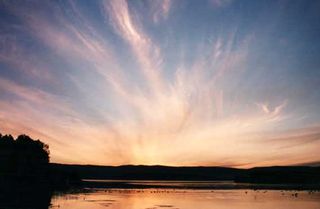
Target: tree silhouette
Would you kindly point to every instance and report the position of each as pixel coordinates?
(24, 162)
(22, 156)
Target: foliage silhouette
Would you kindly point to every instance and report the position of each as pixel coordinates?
(23, 156)
(24, 162)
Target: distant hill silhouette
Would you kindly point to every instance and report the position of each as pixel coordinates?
(281, 175)
(302, 175)
(141, 172)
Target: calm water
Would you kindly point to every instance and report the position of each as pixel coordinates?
(187, 199)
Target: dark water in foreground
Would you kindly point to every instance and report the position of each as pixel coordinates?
(162, 195)
(187, 199)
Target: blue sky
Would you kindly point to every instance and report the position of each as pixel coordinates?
(215, 82)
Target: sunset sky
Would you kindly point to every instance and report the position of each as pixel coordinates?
(211, 82)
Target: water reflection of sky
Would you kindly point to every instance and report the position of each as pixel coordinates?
(188, 199)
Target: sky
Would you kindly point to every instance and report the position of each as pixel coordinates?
(179, 83)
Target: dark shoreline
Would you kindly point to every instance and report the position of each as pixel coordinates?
(193, 185)
(282, 177)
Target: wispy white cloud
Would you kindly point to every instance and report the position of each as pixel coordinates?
(147, 53)
(275, 113)
(160, 10)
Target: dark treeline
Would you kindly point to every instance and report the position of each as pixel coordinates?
(281, 175)
(27, 179)
(142, 172)
(23, 156)
(264, 175)
(25, 161)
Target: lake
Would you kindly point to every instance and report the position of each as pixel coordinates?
(162, 195)
(187, 199)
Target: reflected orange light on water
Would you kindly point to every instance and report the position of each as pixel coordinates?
(188, 199)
